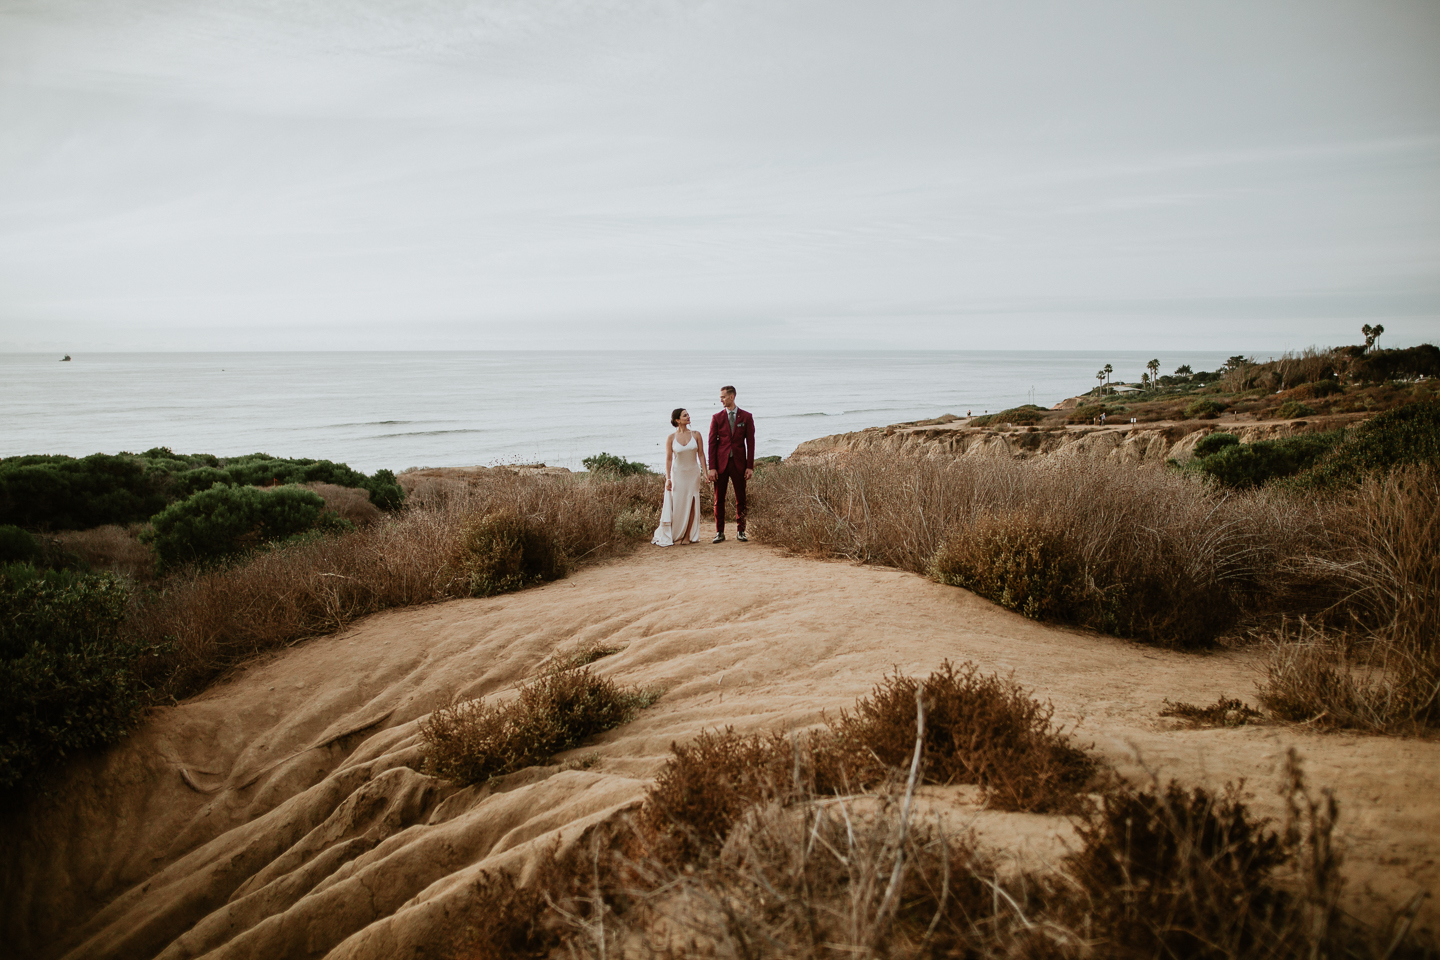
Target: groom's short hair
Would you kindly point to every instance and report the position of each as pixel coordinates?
(728, 389)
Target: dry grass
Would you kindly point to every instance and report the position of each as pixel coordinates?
(347, 503)
(1374, 662)
(216, 618)
(113, 548)
(1139, 552)
(474, 741)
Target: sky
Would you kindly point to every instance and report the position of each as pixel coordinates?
(682, 175)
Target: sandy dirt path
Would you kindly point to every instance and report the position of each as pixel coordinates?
(280, 814)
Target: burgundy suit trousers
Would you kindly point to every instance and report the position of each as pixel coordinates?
(734, 470)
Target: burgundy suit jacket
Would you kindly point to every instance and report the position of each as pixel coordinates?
(726, 445)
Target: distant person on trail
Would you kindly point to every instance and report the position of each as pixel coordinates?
(732, 459)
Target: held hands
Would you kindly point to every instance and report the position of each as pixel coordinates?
(713, 475)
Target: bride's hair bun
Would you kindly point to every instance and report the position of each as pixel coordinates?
(675, 416)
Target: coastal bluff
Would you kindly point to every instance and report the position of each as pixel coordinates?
(950, 436)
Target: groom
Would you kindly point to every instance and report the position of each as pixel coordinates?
(732, 457)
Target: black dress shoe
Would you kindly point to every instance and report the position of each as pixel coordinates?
(741, 537)
(719, 538)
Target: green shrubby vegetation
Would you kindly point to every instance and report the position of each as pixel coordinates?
(1243, 465)
(226, 520)
(1205, 409)
(1406, 435)
(1023, 415)
(69, 678)
(17, 545)
(609, 463)
(1214, 443)
(68, 493)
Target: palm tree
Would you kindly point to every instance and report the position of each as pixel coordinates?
(1184, 371)
(1372, 334)
(1154, 367)
(1100, 375)
(1107, 371)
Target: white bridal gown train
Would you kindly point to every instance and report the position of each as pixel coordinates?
(680, 511)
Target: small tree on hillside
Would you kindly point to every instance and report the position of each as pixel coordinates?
(1184, 371)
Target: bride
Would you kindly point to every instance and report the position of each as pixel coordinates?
(684, 463)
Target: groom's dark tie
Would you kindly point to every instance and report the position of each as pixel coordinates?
(731, 412)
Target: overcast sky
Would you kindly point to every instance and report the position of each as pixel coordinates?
(422, 174)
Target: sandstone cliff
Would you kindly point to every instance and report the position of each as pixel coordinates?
(1157, 442)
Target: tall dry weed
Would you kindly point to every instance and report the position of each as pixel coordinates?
(1373, 662)
(1136, 551)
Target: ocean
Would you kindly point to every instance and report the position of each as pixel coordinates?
(400, 410)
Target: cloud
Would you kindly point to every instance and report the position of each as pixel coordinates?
(219, 171)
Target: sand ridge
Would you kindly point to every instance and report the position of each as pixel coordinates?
(281, 813)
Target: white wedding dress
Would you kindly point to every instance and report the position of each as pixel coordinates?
(680, 511)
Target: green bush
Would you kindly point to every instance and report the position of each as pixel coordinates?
(1418, 361)
(68, 680)
(1291, 409)
(259, 469)
(1023, 415)
(69, 494)
(17, 545)
(503, 552)
(224, 521)
(1205, 409)
(1405, 435)
(1214, 443)
(610, 464)
(1255, 464)
(65, 493)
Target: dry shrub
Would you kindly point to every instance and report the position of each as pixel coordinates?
(1019, 561)
(982, 730)
(638, 523)
(1224, 712)
(786, 870)
(1374, 662)
(1163, 872)
(112, 548)
(581, 654)
(501, 552)
(579, 511)
(844, 877)
(472, 741)
(347, 503)
(1136, 551)
(1315, 676)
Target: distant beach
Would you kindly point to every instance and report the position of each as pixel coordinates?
(398, 410)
